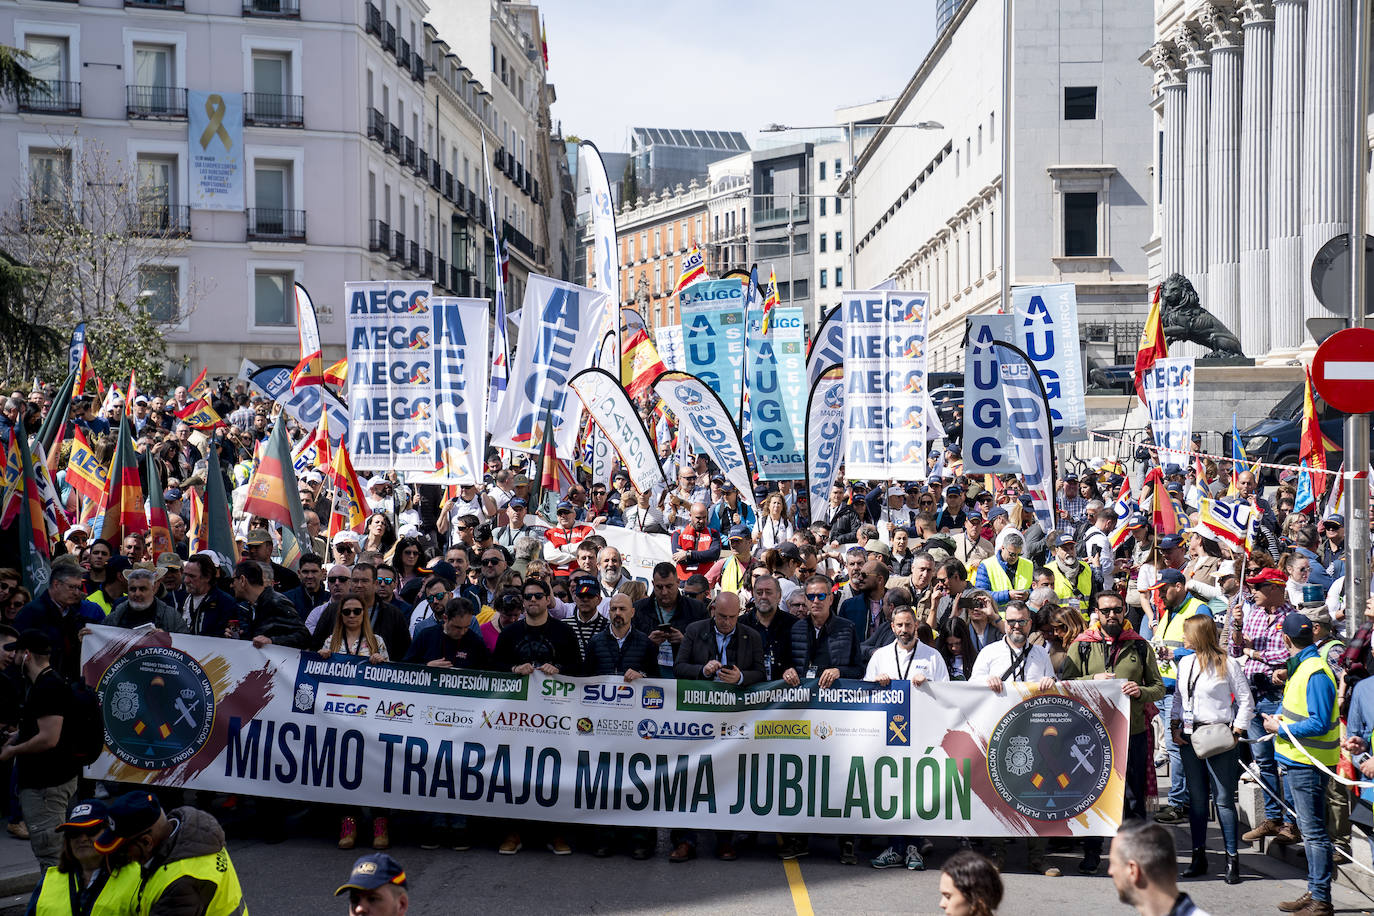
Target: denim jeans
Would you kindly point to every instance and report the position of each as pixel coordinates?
(1263, 753)
(1307, 789)
(1178, 783)
(1221, 780)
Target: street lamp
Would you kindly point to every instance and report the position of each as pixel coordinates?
(849, 177)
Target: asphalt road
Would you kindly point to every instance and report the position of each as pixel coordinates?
(298, 876)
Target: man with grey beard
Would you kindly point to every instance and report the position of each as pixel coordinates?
(142, 608)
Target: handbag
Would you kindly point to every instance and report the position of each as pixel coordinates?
(1212, 739)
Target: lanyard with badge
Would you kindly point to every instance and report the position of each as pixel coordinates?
(903, 674)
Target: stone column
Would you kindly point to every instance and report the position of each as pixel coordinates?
(1327, 85)
(1256, 96)
(1222, 297)
(1286, 282)
(1197, 118)
(1170, 75)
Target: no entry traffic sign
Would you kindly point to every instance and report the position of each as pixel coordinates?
(1343, 370)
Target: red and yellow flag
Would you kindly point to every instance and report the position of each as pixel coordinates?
(1311, 442)
(123, 510)
(133, 392)
(200, 524)
(159, 532)
(693, 269)
(323, 453)
(337, 374)
(272, 489)
(349, 512)
(640, 363)
(198, 414)
(1152, 345)
(85, 375)
(770, 301)
(86, 474)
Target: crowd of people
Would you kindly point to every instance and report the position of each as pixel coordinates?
(1230, 656)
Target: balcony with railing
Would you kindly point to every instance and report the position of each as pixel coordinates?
(372, 19)
(156, 4)
(37, 212)
(517, 240)
(388, 37)
(393, 139)
(376, 126)
(441, 274)
(436, 175)
(408, 152)
(413, 256)
(155, 218)
(52, 97)
(273, 9)
(421, 163)
(267, 109)
(378, 236)
(165, 103)
(403, 53)
(417, 67)
(769, 215)
(427, 264)
(272, 224)
(398, 246)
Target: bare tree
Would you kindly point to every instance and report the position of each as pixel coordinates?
(95, 235)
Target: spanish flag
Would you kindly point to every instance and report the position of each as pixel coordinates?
(34, 547)
(337, 374)
(123, 510)
(349, 512)
(693, 269)
(640, 363)
(1311, 442)
(159, 531)
(1152, 345)
(272, 491)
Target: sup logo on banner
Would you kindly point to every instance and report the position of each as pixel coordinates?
(1050, 758)
(159, 707)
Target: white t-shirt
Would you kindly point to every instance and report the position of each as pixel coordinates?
(891, 660)
(995, 658)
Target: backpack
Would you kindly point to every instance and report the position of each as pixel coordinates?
(83, 728)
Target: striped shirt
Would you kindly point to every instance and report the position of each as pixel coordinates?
(1263, 631)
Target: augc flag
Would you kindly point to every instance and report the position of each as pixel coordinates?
(86, 474)
(693, 269)
(124, 513)
(348, 513)
(1229, 521)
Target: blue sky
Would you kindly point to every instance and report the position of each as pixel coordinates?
(738, 65)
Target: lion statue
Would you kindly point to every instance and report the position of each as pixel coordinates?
(1184, 318)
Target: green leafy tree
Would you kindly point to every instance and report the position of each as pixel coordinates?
(15, 77)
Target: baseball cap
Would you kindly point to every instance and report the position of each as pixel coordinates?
(1167, 577)
(761, 491)
(566, 506)
(519, 503)
(953, 488)
(521, 480)
(169, 560)
(585, 585)
(1226, 568)
(85, 814)
(739, 532)
(876, 546)
(376, 481)
(443, 569)
(171, 493)
(727, 487)
(1069, 475)
(1317, 613)
(1136, 520)
(896, 491)
(128, 816)
(1296, 624)
(1170, 541)
(141, 399)
(258, 536)
(79, 528)
(1062, 540)
(347, 537)
(117, 566)
(998, 512)
(1172, 470)
(1267, 576)
(1335, 518)
(789, 551)
(372, 871)
(31, 641)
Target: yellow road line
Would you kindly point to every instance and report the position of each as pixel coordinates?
(801, 900)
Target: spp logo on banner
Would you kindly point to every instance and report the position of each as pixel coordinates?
(608, 694)
(650, 729)
(653, 698)
(353, 705)
(796, 728)
(558, 691)
(395, 711)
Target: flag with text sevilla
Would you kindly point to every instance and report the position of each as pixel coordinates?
(123, 511)
(272, 490)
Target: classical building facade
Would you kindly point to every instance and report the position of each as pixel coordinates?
(1253, 121)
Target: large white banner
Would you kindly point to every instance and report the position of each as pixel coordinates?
(560, 330)
(824, 435)
(951, 759)
(827, 347)
(460, 388)
(987, 442)
(1169, 398)
(885, 384)
(1028, 424)
(606, 260)
(620, 426)
(1046, 327)
(390, 376)
(702, 418)
(640, 552)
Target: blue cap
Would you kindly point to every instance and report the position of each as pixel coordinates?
(727, 487)
(1170, 541)
(1335, 518)
(997, 512)
(86, 814)
(1026, 500)
(1172, 470)
(1136, 520)
(1171, 577)
(519, 503)
(1062, 540)
(953, 488)
(128, 816)
(739, 532)
(372, 871)
(1296, 624)
(566, 506)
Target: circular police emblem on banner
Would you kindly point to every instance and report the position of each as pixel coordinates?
(688, 395)
(158, 707)
(1050, 758)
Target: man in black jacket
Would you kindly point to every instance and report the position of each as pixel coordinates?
(271, 618)
(664, 615)
(773, 625)
(455, 644)
(206, 609)
(311, 593)
(620, 649)
(824, 645)
(57, 612)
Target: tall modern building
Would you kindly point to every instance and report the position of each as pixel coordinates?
(665, 157)
(930, 209)
(360, 154)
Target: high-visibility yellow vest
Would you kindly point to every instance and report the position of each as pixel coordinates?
(215, 868)
(1171, 634)
(732, 578)
(115, 898)
(1324, 748)
(1080, 591)
(997, 576)
(101, 600)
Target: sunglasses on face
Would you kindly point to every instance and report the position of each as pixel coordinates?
(533, 596)
(338, 578)
(352, 612)
(811, 597)
(386, 580)
(492, 561)
(1110, 611)
(1018, 622)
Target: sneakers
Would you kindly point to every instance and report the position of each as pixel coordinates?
(1264, 828)
(889, 858)
(19, 830)
(914, 862)
(510, 845)
(847, 854)
(430, 842)
(348, 833)
(1288, 835)
(460, 841)
(559, 847)
(1171, 814)
(381, 839)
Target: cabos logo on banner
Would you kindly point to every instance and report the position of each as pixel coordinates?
(391, 362)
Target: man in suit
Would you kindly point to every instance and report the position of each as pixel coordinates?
(665, 614)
